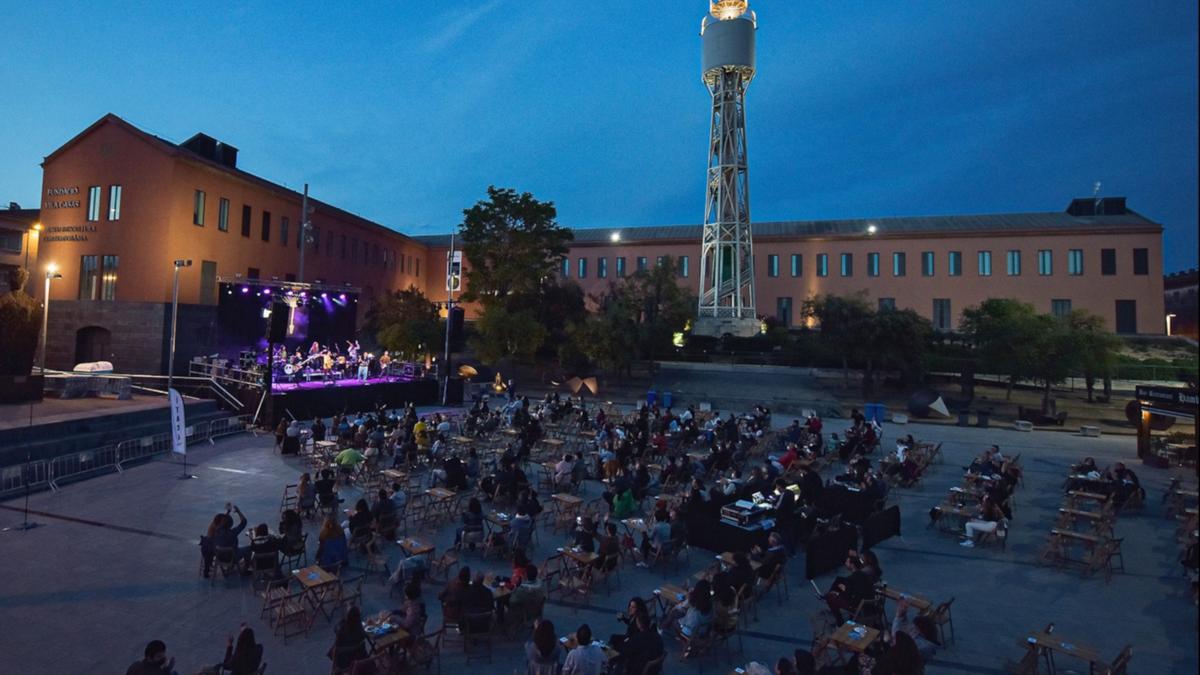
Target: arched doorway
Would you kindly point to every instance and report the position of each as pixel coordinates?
(93, 343)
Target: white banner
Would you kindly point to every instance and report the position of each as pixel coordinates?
(178, 429)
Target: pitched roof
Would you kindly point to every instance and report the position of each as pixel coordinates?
(178, 150)
(1041, 222)
(22, 218)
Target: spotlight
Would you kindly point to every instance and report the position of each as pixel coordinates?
(288, 293)
(872, 229)
(266, 291)
(342, 296)
(303, 294)
(324, 295)
(245, 289)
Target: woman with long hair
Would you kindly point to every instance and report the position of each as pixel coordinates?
(543, 653)
(350, 641)
(332, 550)
(245, 657)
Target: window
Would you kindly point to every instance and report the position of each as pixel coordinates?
(417, 261)
(252, 273)
(683, 266)
(223, 215)
(899, 264)
(772, 265)
(954, 269)
(342, 243)
(208, 282)
(316, 242)
(660, 260)
(1013, 263)
(1075, 262)
(566, 268)
(822, 264)
(783, 311)
(245, 220)
(887, 304)
(847, 264)
(93, 212)
(621, 266)
(601, 268)
(266, 226)
(927, 264)
(583, 268)
(114, 202)
(797, 265)
(1045, 262)
(354, 250)
(88, 277)
(1141, 262)
(941, 313)
(985, 263)
(872, 264)
(1108, 261)
(108, 277)
(1127, 315)
(1060, 308)
(283, 230)
(11, 241)
(329, 244)
(198, 208)
(641, 263)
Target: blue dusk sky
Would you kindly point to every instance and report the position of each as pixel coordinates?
(406, 115)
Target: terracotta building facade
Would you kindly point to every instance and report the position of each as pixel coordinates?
(119, 205)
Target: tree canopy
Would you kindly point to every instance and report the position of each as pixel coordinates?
(512, 243)
(405, 322)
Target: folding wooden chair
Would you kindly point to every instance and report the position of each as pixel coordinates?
(292, 612)
(477, 628)
(942, 617)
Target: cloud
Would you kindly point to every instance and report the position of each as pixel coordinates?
(456, 24)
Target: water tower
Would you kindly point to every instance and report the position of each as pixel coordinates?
(726, 250)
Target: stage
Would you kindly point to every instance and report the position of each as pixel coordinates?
(308, 400)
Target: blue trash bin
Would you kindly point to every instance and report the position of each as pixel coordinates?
(651, 397)
(874, 411)
(667, 399)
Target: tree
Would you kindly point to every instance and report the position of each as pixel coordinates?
(512, 243)
(501, 333)
(1005, 333)
(845, 321)
(898, 341)
(660, 307)
(21, 323)
(1052, 355)
(1097, 347)
(405, 322)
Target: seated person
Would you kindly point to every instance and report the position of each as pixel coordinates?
(691, 618)
(987, 519)
(326, 489)
(411, 616)
(770, 559)
(332, 550)
(454, 596)
(847, 592)
(642, 646)
(527, 599)
(348, 461)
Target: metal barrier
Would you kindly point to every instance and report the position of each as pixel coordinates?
(50, 473)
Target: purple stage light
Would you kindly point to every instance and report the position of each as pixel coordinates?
(266, 291)
(342, 296)
(288, 293)
(303, 294)
(245, 289)
(324, 295)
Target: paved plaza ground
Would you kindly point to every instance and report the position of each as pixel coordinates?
(117, 564)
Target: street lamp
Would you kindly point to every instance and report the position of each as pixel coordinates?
(51, 273)
(1169, 317)
(174, 319)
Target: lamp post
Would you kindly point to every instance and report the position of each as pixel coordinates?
(1169, 317)
(51, 273)
(174, 319)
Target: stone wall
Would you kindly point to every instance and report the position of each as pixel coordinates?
(136, 328)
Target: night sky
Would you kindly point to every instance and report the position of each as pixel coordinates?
(859, 109)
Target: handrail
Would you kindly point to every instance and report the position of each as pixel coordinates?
(51, 472)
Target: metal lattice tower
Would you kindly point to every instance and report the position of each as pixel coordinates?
(727, 251)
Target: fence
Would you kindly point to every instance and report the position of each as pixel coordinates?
(59, 470)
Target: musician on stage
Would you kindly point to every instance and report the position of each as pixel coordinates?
(384, 362)
(314, 349)
(352, 350)
(364, 367)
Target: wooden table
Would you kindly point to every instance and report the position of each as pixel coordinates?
(915, 601)
(462, 440)
(440, 502)
(326, 446)
(843, 637)
(566, 508)
(317, 585)
(1076, 497)
(387, 641)
(581, 558)
(670, 595)
(394, 475)
(1048, 644)
(414, 547)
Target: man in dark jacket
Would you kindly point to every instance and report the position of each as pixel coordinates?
(155, 661)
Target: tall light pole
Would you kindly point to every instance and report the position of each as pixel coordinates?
(453, 280)
(51, 273)
(305, 226)
(174, 319)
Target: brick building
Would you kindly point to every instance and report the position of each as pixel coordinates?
(119, 204)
